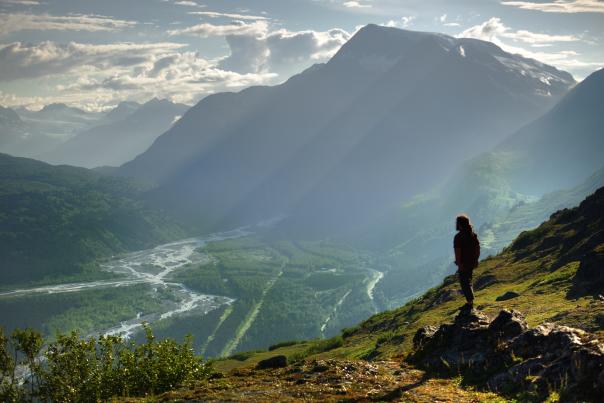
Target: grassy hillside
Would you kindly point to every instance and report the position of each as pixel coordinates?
(56, 220)
(555, 270)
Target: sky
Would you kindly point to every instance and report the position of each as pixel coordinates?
(95, 54)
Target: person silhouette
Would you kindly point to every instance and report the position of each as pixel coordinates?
(467, 253)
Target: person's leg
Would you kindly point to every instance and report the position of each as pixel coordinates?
(465, 280)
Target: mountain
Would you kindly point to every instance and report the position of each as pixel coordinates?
(18, 137)
(537, 332)
(12, 128)
(59, 120)
(121, 140)
(40, 131)
(56, 221)
(563, 146)
(121, 111)
(488, 188)
(332, 145)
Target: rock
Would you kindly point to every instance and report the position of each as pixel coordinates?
(278, 361)
(546, 338)
(507, 295)
(507, 324)
(506, 355)
(587, 364)
(471, 318)
(423, 335)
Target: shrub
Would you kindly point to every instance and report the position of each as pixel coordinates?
(78, 369)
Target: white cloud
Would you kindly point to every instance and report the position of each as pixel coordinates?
(355, 4)
(187, 3)
(77, 22)
(205, 30)
(404, 22)
(25, 60)
(20, 2)
(443, 19)
(560, 6)
(215, 14)
(493, 29)
(282, 51)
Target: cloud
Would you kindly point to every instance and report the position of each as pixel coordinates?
(282, 50)
(77, 22)
(355, 4)
(20, 2)
(443, 20)
(205, 30)
(242, 17)
(493, 29)
(25, 60)
(187, 3)
(183, 77)
(404, 22)
(560, 6)
(255, 49)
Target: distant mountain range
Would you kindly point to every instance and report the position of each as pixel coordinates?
(62, 134)
(387, 117)
(129, 130)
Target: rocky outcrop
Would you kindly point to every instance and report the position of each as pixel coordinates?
(505, 356)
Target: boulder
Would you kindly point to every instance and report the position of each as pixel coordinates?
(507, 324)
(278, 361)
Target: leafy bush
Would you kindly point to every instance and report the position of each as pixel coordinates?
(76, 369)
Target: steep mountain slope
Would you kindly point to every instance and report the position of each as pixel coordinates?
(120, 140)
(551, 274)
(56, 220)
(487, 188)
(563, 146)
(332, 145)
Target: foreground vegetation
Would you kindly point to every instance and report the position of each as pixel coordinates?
(89, 370)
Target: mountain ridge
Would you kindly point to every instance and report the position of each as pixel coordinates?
(328, 136)
(129, 131)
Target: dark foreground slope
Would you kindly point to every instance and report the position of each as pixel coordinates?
(56, 219)
(552, 274)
